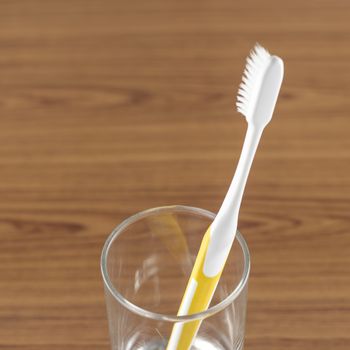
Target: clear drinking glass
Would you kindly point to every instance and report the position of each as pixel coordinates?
(146, 263)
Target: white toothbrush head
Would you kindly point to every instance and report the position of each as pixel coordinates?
(261, 83)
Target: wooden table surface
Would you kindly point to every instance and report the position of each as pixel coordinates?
(111, 107)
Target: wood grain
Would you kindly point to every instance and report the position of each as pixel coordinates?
(111, 107)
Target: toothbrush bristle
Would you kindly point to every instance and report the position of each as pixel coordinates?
(253, 74)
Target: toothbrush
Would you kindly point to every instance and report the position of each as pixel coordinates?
(256, 100)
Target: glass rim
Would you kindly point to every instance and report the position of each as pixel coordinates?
(166, 317)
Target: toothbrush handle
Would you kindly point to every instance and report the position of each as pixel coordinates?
(214, 249)
(199, 292)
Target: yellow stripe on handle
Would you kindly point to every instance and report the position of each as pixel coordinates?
(181, 339)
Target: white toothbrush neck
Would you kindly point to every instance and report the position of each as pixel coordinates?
(230, 207)
(224, 226)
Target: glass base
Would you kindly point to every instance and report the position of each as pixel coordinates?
(199, 344)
